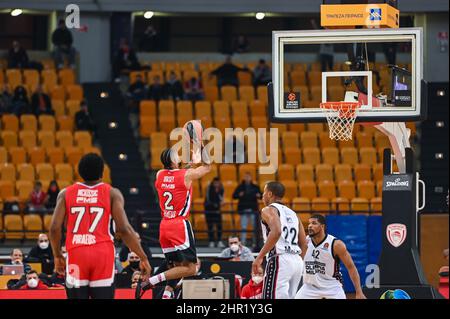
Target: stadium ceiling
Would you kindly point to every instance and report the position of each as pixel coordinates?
(208, 6)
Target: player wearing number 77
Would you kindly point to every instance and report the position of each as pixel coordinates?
(88, 211)
(284, 245)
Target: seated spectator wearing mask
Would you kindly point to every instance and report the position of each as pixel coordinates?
(253, 289)
(156, 90)
(42, 253)
(17, 259)
(173, 87)
(135, 279)
(133, 265)
(41, 103)
(38, 199)
(52, 195)
(236, 251)
(33, 282)
(193, 90)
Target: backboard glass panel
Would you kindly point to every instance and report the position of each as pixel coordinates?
(380, 68)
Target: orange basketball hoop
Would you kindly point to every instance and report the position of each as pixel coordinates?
(341, 118)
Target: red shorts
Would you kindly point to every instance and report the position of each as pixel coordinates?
(91, 266)
(177, 240)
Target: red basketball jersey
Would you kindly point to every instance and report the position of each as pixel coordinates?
(88, 215)
(174, 196)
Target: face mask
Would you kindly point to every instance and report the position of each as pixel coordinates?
(32, 283)
(64, 255)
(43, 245)
(134, 264)
(234, 248)
(257, 279)
(197, 269)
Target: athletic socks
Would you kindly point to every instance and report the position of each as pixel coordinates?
(167, 295)
(157, 279)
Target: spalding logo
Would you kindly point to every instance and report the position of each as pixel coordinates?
(397, 182)
(396, 234)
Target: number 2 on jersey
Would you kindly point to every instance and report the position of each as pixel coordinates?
(167, 204)
(81, 211)
(288, 231)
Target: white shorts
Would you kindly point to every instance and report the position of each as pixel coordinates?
(282, 276)
(312, 292)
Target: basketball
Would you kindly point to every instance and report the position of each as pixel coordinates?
(194, 130)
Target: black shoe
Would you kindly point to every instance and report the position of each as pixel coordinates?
(141, 288)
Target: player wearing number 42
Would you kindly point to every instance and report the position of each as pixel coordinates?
(89, 210)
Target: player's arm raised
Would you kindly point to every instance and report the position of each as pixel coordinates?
(302, 238)
(126, 232)
(193, 174)
(341, 251)
(55, 232)
(270, 216)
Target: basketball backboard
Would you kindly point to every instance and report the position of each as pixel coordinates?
(379, 68)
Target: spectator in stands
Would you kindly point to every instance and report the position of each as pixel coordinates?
(135, 279)
(213, 202)
(236, 251)
(17, 56)
(248, 195)
(125, 59)
(20, 103)
(253, 289)
(83, 121)
(326, 56)
(156, 90)
(52, 195)
(241, 44)
(193, 90)
(137, 91)
(125, 251)
(42, 253)
(33, 281)
(148, 40)
(133, 264)
(62, 40)
(40, 102)
(38, 198)
(5, 100)
(17, 259)
(227, 73)
(443, 272)
(174, 88)
(262, 74)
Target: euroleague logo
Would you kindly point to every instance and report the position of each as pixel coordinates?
(291, 97)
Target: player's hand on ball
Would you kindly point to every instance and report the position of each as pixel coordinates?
(60, 265)
(146, 269)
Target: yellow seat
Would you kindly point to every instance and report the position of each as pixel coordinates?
(315, 77)
(377, 171)
(18, 155)
(45, 172)
(147, 108)
(362, 172)
(308, 139)
(37, 155)
(360, 205)
(330, 155)
(320, 205)
(240, 114)
(47, 221)
(290, 140)
(26, 172)
(166, 116)
(64, 138)
(6, 190)
(341, 205)
(10, 122)
(83, 139)
(324, 172)
(46, 139)
(74, 92)
(203, 112)
(307, 189)
(184, 112)
(47, 123)
(368, 155)
(27, 139)
(13, 226)
(159, 139)
(189, 74)
(73, 154)
(107, 174)
(311, 155)
(8, 172)
(327, 189)
(147, 125)
(58, 93)
(14, 78)
(211, 93)
(65, 123)
(366, 189)
(64, 172)
(28, 122)
(66, 77)
(376, 205)
(59, 107)
(292, 156)
(32, 225)
(9, 138)
(298, 78)
(349, 156)
(49, 78)
(286, 172)
(73, 106)
(228, 93)
(31, 77)
(228, 172)
(24, 189)
(301, 204)
(305, 172)
(244, 78)
(246, 93)
(291, 190)
(343, 172)
(347, 189)
(325, 140)
(3, 155)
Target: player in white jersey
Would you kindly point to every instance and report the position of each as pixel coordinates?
(322, 278)
(284, 242)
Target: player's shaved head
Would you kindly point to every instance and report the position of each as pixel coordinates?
(276, 188)
(91, 167)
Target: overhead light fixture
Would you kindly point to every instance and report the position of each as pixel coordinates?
(440, 124)
(148, 14)
(145, 225)
(123, 157)
(134, 191)
(440, 93)
(260, 15)
(439, 155)
(112, 125)
(16, 12)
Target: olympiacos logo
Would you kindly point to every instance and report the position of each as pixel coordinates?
(396, 234)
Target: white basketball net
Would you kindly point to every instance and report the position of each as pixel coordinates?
(341, 118)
